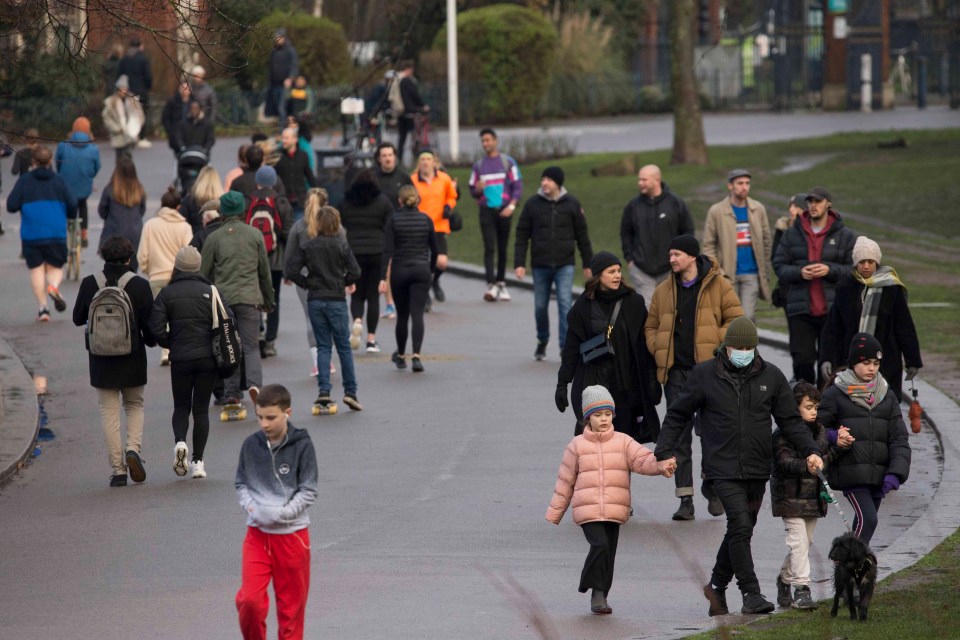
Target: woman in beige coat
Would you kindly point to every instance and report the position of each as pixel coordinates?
(595, 477)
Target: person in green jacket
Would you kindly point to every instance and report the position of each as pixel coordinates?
(235, 259)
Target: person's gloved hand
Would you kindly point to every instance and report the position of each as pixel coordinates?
(447, 211)
(912, 372)
(826, 370)
(890, 483)
(561, 397)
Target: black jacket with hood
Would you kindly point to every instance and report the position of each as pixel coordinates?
(182, 317)
(364, 212)
(649, 225)
(735, 406)
(553, 229)
(330, 264)
(794, 491)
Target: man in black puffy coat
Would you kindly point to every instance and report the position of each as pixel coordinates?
(553, 224)
(812, 256)
(734, 395)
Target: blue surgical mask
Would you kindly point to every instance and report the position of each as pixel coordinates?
(740, 358)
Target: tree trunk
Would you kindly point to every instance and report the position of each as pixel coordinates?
(689, 146)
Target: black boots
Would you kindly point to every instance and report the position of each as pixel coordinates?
(685, 512)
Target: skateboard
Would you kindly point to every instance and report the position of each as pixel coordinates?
(328, 408)
(233, 413)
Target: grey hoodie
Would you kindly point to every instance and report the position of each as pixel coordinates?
(276, 484)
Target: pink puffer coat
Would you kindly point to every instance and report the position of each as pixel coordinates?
(595, 475)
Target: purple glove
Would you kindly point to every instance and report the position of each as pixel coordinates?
(890, 483)
(832, 436)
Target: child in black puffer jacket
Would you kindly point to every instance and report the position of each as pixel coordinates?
(795, 497)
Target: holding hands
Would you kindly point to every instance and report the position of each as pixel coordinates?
(844, 439)
(667, 467)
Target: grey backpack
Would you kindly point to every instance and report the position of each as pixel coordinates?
(110, 322)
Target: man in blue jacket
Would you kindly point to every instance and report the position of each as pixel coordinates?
(44, 202)
(78, 163)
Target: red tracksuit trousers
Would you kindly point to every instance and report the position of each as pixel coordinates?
(286, 559)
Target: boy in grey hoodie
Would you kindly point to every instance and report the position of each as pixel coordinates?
(276, 482)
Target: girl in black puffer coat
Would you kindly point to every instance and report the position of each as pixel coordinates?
(795, 497)
(879, 460)
(182, 319)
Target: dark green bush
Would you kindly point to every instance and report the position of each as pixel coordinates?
(320, 44)
(511, 50)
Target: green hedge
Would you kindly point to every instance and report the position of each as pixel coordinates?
(510, 50)
(320, 44)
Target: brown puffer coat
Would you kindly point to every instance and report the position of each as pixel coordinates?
(717, 306)
(595, 476)
(794, 491)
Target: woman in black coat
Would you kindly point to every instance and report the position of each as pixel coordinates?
(879, 459)
(888, 319)
(629, 373)
(364, 213)
(182, 321)
(120, 379)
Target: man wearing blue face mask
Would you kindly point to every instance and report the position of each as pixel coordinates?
(735, 395)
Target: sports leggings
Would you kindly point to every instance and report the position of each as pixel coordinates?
(866, 512)
(367, 292)
(192, 382)
(411, 286)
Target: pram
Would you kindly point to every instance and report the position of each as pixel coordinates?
(189, 163)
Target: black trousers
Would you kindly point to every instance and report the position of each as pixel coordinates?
(741, 501)
(411, 288)
(683, 450)
(273, 318)
(367, 293)
(805, 333)
(405, 126)
(598, 567)
(192, 382)
(82, 212)
(496, 233)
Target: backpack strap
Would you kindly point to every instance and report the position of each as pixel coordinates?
(101, 279)
(125, 278)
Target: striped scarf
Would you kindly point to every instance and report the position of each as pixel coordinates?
(872, 291)
(865, 394)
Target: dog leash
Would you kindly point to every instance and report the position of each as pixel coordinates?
(827, 495)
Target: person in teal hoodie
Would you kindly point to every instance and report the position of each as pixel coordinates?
(78, 163)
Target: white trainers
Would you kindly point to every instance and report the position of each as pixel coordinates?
(164, 357)
(490, 295)
(502, 294)
(198, 470)
(313, 363)
(355, 332)
(254, 394)
(180, 453)
(144, 144)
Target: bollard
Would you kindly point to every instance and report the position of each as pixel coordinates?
(866, 83)
(922, 82)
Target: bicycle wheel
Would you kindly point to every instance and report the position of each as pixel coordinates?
(74, 247)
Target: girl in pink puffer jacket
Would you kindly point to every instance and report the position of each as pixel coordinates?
(595, 477)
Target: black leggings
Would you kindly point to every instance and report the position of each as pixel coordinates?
(367, 292)
(495, 229)
(410, 286)
(82, 212)
(192, 382)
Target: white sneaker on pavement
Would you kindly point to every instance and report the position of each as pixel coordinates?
(502, 294)
(198, 470)
(180, 453)
(144, 144)
(492, 292)
(355, 332)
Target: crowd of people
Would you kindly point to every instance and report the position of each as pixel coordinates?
(678, 323)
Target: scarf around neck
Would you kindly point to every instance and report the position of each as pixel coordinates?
(872, 291)
(866, 394)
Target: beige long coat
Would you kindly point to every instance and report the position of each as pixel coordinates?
(595, 477)
(720, 240)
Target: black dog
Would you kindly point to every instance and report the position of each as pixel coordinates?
(855, 565)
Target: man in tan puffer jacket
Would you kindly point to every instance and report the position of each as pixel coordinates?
(595, 477)
(687, 319)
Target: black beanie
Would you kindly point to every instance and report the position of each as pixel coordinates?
(864, 347)
(555, 174)
(603, 260)
(686, 243)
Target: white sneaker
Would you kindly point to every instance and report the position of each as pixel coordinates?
(144, 144)
(490, 295)
(164, 357)
(333, 367)
(180, 453)
(254, 393)
(198, 470)
(355, 332)
(313, 362)
(502, 294)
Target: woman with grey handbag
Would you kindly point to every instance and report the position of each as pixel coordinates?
(605, 346)
(182, 321)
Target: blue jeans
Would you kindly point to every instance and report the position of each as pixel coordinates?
(544, 279)
(331, 326)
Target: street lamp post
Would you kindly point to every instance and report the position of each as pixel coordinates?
(453, 97)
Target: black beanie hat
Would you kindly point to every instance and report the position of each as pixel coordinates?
(554, 173)
(864, 347)
(686, 243)
(603, 260)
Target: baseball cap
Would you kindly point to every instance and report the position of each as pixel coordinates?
(818, 193)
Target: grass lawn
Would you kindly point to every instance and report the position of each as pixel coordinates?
(904, 198)
(918, 603)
